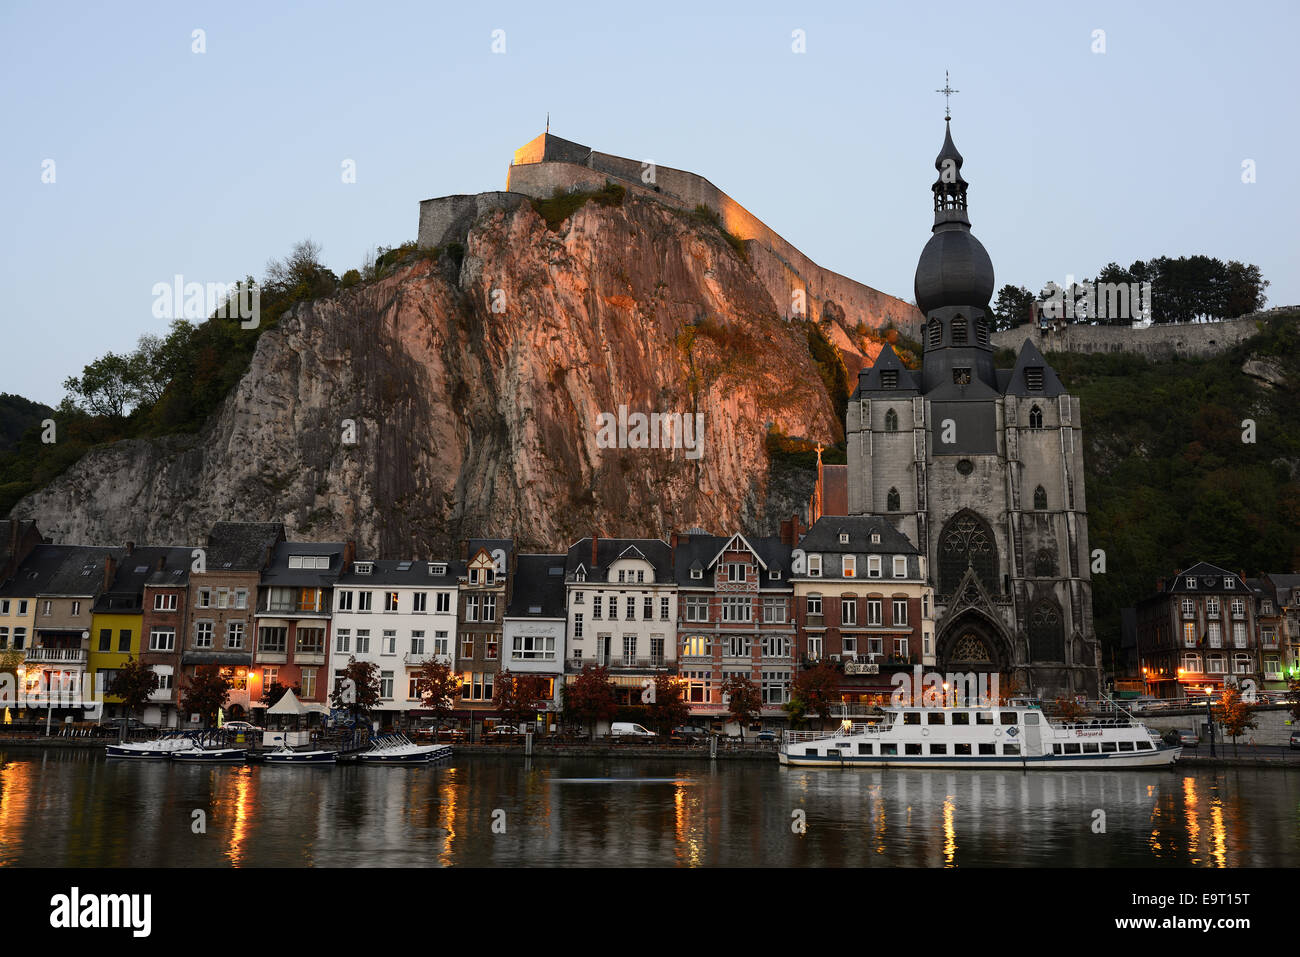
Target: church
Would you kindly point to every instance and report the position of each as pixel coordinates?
(982, 468)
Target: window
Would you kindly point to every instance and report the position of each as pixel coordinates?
(441, 646)
(849, 645)
(815, 566)
(124, 640)
(648, 608)
(774, 611)
(489, 607)
(1212, 606)
(308, 682)
(1239, 634)
(203, 634)
(1192, 663)
(22, 605)
(160, 639)
(467, 646)
(814, 604)
(891, 420)
(390, 601)
(413, 686)
(363, 641)
(849, 611)
(4, 606)
(223, 597)
(699, 686)
(364, 599)
(696, 646)
(776, 646)
(735, 572)
(1238, 608)
(205, 598)
(892, 500)
(596, 611)
(1035, 417)
(656, 650)
(874, 611)
(1189, 608)
(1229, 584)
(814, 647)
(1006, 717)
(775, 686)
(577, 625)
(631, 608)
(900, 566)
(613, 608)
(629, 650)
(385, 684)
(663, 609)
(873, 566)
(234, 634)
(164, 678)
(444, 602)
(20, 636)
(164, 602)
(533, 648)
(48, 607)
(342, 639)
(850, 566)
(388, 643)
(420, 602)
(736, 646)
(697, 609)
(1191, 582)
(900, 648)
(241, 598)
(697, 573)
(272, 640)
(311, 641)
(737, 609)
(471, 607)
(936, 333)
(900, 611)
(105, 638)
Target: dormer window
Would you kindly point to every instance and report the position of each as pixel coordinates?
(697, 573)
(1229, 583)
(437, 569)
(889, 378)
(1034, 378)
(844, 538)
(580, 575)
(1191, 582)
(363, 568)
(774, 574)
(875, 538)
(815, 566)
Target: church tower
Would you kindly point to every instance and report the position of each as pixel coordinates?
(983, 469)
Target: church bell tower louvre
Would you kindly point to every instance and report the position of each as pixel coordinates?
(982, 468)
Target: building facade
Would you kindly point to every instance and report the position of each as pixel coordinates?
(534, 630)
(482, 598)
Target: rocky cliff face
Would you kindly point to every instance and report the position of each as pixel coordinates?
(475, 396)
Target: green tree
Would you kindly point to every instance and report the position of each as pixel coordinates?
(103, 388)
(205, 693)
(272, 693)
(1013, 307)
(744, 701)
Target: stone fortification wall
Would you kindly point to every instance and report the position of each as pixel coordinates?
(1162, 341)
(449, 218)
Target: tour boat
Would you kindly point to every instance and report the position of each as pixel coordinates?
(397, 749)
(161, 748)
(1015, 736)
(212, 755)
(287, 755)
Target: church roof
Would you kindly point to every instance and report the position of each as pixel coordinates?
(872, 381)
(1021, 383)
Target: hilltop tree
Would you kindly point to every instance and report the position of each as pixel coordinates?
(134, 683)
(1235, 715)
(358, 691)
(744, 700)
(590, 698)
(206, 692)
(517, 696)
(439, 688)
(1013, 307)
(667, 709)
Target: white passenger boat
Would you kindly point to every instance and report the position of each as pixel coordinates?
(397, 749)
(1013, 736)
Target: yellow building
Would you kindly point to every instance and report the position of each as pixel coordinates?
(114, 638)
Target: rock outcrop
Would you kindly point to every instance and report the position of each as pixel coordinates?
(474, 392)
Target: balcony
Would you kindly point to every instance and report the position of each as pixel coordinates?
(413, 660)
(310, 656)
(41, 655)
(271, 656)
(618, 663)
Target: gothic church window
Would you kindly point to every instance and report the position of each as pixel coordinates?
(891, 421)
(1040, 498)
(1046, 633)
(1035, 418)
(1045, 564)
(959, 331)
(936, 333)
(967, 541)
(891, 501)
(969, 647)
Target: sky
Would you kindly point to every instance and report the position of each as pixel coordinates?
(1080, 147)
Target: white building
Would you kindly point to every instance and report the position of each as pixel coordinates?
(396, 615)
(533, 639)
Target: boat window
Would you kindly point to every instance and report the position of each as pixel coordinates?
(1010, 749)
(1008, 717)
(1091, 747)
(983, 717)
(913, 748)
(987, 749)
(1056, 749)
(961, 749)
(810, 752)
(935, 717)
(1126, 745)
(888, 749)
(864, 749)
(911, 717)
(1031, 719)
(1071, 749)
(1144, 746)
(938, 749)
(1108, 747)
(961, 717)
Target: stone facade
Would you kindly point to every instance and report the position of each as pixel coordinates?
(1164, 341)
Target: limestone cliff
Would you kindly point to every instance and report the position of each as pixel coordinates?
(471, 421)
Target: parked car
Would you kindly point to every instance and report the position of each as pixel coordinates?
(693, 732)
(1182, 736)
(240, 726)
(628, 729)
(767, 734)
(1295, 740)
(504, 729)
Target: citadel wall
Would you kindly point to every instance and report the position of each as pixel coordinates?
(1162, 341)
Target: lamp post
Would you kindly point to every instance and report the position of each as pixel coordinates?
(1209, 721)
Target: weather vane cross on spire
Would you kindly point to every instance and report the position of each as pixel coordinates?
(947, 91)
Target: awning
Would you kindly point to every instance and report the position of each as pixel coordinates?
(290, 705)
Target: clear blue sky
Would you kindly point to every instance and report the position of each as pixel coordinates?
(168, 161)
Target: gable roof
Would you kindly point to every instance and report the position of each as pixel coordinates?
(241, 546)
(537, 586)
(702, 551)
(389, 571)
(1209, 578)
(871, 383)
(609, 550)
(824, 536)
(1031, 357)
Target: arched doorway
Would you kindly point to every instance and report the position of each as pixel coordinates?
(974, 645)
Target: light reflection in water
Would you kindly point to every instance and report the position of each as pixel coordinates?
(949, 834)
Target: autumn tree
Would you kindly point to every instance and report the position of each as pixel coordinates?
(439, 688)
(816, 689)
(590, 698)
(1293, 697)
(1234, 715)
(358, 690)
(134, 683)
(206, 693)
(667, 708)
(744, 701)
(517, 696)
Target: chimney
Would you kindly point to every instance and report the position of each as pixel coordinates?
(349, 556)
(110, 570)
(673, 540)
(594, 540)
(130, 548)
(162, 562)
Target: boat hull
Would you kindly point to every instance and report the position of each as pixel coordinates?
(1161, 757)
(301, 757)
(413, 756)
(139, 753)
(212, 755)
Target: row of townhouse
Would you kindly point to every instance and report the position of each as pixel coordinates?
(1207, 627)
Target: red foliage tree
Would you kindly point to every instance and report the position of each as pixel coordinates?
(590, 698)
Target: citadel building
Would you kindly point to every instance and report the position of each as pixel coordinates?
(983, 469)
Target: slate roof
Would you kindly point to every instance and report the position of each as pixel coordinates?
(1030, 356)
(126, 593)
(871, 382)
(37, 570)
(536, 587)
(608, 550)
(824, 536)
(176, 567)
(81, 571)
(1287, 588)
(414, 575)
(9, 533)
(699, 550)
(280, 574)
(1209, 578)
(241, 546)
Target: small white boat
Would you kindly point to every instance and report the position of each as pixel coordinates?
(212, 755)
(287, 755)
(159, 749)
(1014, 736)
(397, 749)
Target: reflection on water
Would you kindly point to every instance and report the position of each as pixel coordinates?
(75, 809)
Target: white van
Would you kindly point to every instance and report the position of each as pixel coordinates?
(627, 728)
